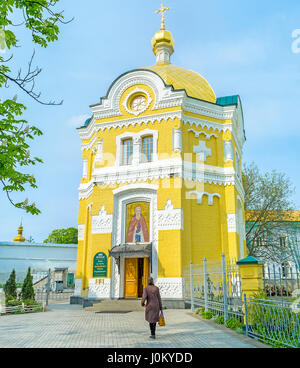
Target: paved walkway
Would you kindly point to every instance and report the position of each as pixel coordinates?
(69, 326)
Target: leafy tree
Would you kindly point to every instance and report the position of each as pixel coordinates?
(63, 236)
(268, 205)
(27, 291)
(10, 287)
(40, 18)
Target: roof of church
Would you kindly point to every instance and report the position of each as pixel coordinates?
(180, 78)
(46, 245)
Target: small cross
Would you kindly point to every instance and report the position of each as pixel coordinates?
(162, 11)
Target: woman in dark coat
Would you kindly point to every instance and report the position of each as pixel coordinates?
(153, 307)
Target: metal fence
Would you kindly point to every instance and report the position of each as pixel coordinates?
(280, 280)
(52, 297)
(216, 287)
(20, 309)
(273, 322)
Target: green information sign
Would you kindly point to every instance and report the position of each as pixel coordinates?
(100, 265)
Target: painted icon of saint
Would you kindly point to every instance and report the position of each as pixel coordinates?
(137, 230)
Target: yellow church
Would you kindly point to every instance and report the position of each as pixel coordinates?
(161, 181)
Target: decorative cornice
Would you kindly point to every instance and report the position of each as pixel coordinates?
(162, 169)
(207, 136)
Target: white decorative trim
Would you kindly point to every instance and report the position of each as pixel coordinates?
(99, 151)
(137, 90)
(78, 286)
(231, 221)
(238, 164)
(177, 140)
(202, 151)
(81, 232)
(102, 223)
(85, 168)
(88, 146)
(228, 151)
(207, 136)
(160, 170)
(86, 190)
(200, 196)
(99, 288)
(170, 288)
(170, 218)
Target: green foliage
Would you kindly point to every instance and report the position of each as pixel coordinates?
(29, 302)
(14, 152)
(275, 325)
(63, 236)
(27, 291)
(220, 320)
(10, 302)
(10, 287)
(200, 310)
(42, 21)
(207, 315)
(260, 294)
(233, 323)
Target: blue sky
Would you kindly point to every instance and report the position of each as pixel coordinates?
(240, 47)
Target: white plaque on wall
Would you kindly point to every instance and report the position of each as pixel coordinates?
(102, 223)
(170, 218)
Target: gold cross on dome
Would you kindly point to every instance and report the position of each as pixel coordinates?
(162, 11)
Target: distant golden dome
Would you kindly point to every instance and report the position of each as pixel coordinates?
(193, 83)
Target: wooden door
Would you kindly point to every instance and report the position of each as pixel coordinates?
(131, 278)
(146, 272)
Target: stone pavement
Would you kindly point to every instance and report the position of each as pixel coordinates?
(70, 326)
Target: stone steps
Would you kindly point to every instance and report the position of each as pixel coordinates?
(117, 306)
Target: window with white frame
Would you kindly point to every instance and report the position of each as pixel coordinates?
(127, 151)
(136, 148)
(147, 148)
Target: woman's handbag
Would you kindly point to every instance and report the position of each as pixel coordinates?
(161, 321)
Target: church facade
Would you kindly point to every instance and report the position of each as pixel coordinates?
(161, 181)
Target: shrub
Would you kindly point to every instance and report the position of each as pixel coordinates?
(27, 291)
(220, 320)
(207, 315)
(10, 287)
(233, 323)
(200, 310)
(29, 302)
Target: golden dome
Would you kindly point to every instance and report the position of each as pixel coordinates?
(163, 36)
(20, 238)
(193, 83)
